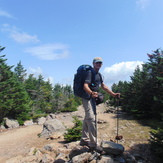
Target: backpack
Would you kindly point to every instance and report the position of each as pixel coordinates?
(79, 78)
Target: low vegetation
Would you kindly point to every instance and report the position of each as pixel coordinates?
(74, 133)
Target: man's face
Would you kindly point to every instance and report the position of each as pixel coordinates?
(97, 65)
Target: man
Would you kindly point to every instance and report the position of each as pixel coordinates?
(89, 136)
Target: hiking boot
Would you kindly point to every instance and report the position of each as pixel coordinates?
(83, 143)
(97, 148)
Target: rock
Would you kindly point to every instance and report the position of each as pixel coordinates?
(59, 161)
(32, 151)
(50, 147)
(50, 117)
(56, 135)
(11, 123)
(112, 148)
(72, 145)
(47, 159)
(119, 159)
(52, 126)
(106, 159)
(64, 153)
(41, 120)
(2, 127)
(77, 151)
(28, 123)
(82, 158)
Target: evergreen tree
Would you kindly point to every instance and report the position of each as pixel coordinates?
(142, 96)
(13, 97)
(155, 67)
(40, 93)
(20, 72)
(58, 98)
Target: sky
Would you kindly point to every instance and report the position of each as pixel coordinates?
(54, 37)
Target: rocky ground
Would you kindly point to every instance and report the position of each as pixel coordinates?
(18, 141)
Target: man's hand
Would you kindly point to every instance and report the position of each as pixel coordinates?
(117, 95)
(94, 94)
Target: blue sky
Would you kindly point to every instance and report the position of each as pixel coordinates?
(54, 37)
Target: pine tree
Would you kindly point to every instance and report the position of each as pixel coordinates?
(13, 97)
(20, 72)
(155, 68)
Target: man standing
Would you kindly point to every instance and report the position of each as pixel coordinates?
(89, 135)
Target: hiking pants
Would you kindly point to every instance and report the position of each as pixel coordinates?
(89, 127)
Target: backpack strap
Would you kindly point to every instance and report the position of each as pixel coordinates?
(101, 78)
(93, 77)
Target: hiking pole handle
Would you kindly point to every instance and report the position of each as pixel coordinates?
(117, 96)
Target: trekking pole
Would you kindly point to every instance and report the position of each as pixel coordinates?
(117, 119)
(118, 137)
(95, 113)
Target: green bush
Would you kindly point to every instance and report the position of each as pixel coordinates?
(157, 142)
(70, 106)
(69, 109)
(74, 133)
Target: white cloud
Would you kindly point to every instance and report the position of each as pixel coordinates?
(24, 37)
(49, 51)
(6, 14)
(19, 36)
(36, 71)
(120, 71)
(142, 3)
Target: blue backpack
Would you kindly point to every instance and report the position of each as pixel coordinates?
(79, 79)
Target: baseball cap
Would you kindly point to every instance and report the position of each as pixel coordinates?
(97, 59)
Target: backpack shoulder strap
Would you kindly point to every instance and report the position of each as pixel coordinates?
(93, 75)
(101, 77)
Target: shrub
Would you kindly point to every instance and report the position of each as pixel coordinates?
(157, 142)
(74, 133)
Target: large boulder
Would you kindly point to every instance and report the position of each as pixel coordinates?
(112, 148)
(11, 123)
(51, 127)
(41, 120)
(28, 123)
(51, 116)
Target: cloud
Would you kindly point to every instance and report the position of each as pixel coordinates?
(19, 36)
(36, 71)
(24, 37)
(6, 14)
(142, 3)
(120, 71)
(49, 51)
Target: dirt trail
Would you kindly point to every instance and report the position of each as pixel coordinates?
(18, 141)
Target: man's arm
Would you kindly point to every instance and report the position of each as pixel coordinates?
(89, 91)
(105, 88)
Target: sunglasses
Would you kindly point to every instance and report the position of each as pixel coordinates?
(98, 62)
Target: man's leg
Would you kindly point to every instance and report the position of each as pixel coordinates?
(89, 130)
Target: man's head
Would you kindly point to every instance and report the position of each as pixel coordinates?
(97, 63)
(97, 59)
